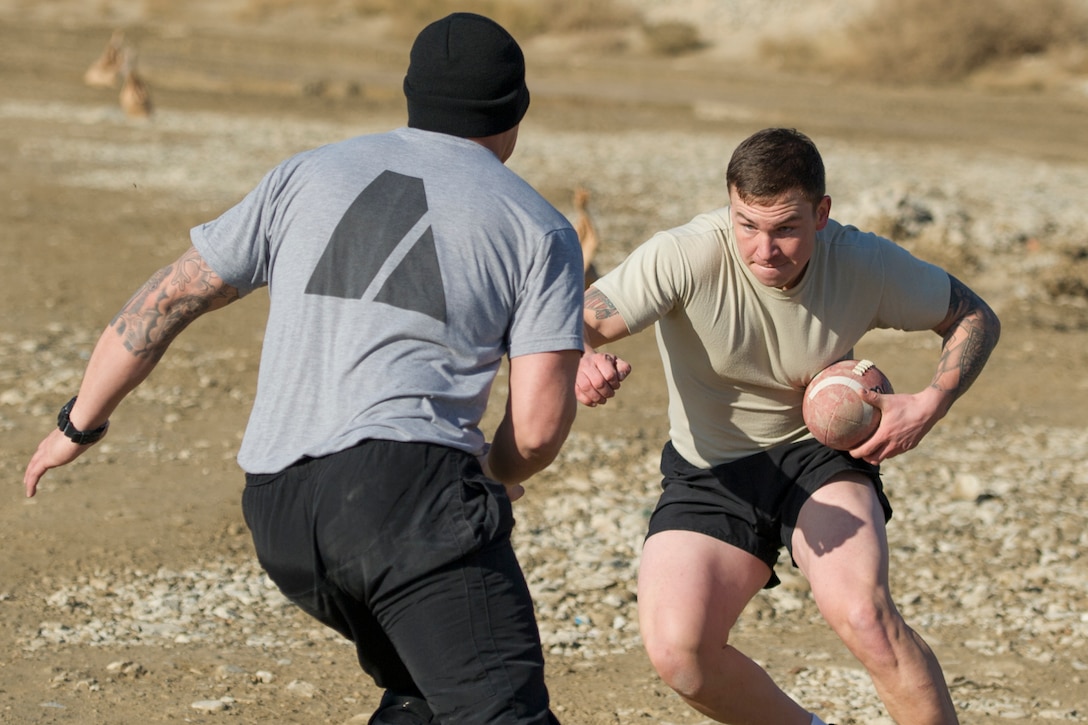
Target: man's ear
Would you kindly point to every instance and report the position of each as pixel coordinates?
(823, 212)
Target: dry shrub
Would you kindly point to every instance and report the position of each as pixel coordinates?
(672, 37)
(1063, 302)
(257, 10)
(936, 41)
(1069, 277)
(523, 18)
(1068, 280)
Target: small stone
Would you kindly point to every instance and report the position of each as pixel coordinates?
(225, 671)
(299, 688)
(209, 705)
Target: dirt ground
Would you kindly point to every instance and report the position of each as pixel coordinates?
(163, 492)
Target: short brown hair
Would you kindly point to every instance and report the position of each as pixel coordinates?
(773, 161)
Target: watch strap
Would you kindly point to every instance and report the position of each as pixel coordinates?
(77, 436)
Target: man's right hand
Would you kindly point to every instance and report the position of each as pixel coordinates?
(54, 451)
(599, 377)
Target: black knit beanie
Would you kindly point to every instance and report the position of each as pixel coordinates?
(466, 77)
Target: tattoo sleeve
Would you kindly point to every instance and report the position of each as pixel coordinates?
(970, 331)
(165, 305)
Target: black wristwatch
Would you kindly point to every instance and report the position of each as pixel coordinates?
(82, 437)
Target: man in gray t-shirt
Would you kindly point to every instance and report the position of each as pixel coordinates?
(401, 268)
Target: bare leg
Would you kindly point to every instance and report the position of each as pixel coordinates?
(841, 546)
(691, 590)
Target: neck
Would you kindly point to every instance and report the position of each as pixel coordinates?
(500, 144)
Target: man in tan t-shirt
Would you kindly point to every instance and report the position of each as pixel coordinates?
(749, 302)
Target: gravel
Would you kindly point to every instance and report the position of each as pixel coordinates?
(1004, 506)
(963, 500)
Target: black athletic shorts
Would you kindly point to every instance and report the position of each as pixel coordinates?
(751, 503)
(404, 548)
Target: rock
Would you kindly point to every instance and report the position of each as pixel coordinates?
(302, 689)
(209, 705)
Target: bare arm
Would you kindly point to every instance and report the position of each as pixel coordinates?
(130, 348)
(540, 410)
(602, 321)
(600, 374)
(970, 331)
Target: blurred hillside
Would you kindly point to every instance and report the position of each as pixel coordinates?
(998, 44)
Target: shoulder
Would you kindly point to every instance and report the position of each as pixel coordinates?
(903, 281)
(848, 235)
(703, 238)
(845, 243)
(677, 260)
(710, 225)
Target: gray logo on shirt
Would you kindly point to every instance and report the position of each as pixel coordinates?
(369, 235)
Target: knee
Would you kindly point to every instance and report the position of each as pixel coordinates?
(870, 629)
(679, 666)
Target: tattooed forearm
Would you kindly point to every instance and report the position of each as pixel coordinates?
(166, 304)
(971, 331)
(965, 352)
(600, 305)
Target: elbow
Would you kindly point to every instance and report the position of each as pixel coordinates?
(540, 457)
(989, 325)
(540, 445)
(995, 325)
(540, 441)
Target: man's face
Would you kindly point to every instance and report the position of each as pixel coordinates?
(776, 238)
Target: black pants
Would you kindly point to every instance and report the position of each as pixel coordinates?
(404, 548)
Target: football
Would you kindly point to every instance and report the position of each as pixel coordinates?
(833, 409)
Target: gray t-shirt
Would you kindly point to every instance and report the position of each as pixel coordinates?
(401, 268)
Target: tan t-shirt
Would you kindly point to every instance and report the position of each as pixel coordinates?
(738, 354)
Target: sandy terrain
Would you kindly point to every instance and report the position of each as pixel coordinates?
(128, 591)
